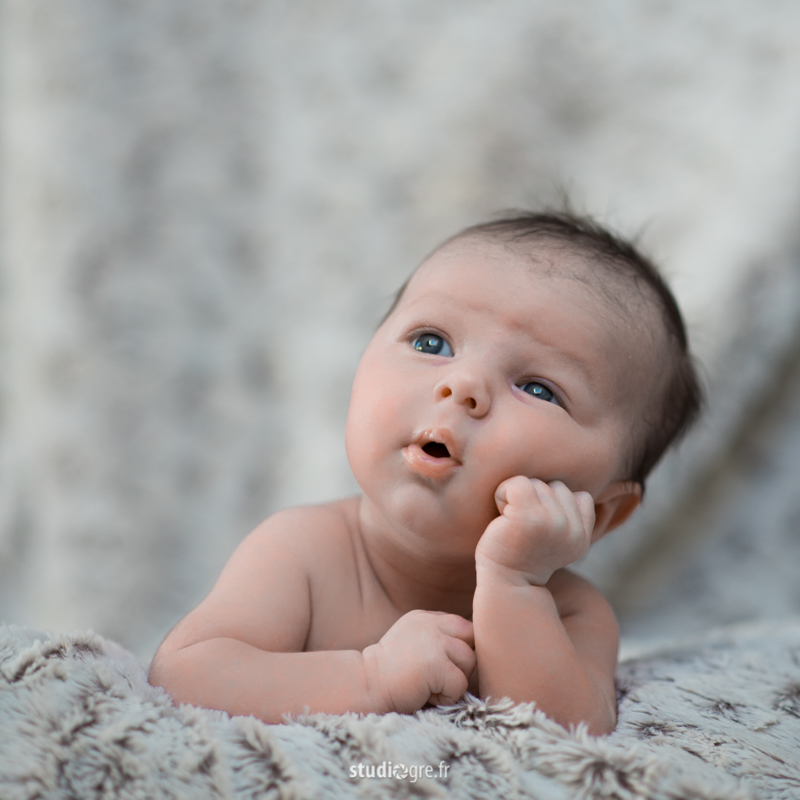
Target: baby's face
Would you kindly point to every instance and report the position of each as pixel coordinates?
(489, 367)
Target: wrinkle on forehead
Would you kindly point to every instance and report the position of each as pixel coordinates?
(631, 309)
(629, 305)
(622, 294)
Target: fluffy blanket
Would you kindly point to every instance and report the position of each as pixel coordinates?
(713, 720)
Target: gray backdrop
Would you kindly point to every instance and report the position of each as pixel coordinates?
(205, 207)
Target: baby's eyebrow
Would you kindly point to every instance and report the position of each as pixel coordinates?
(581, 363)
(584, 365)
(574, 365)
(550, 356)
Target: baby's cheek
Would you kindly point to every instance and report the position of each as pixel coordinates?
(510, 454)
(377, 424)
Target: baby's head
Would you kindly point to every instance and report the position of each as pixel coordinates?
(666, 392)
(539, 345)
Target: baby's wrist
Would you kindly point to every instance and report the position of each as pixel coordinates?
(378, 697)
(490, 573)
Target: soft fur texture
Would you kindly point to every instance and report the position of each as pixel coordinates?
(715, 720)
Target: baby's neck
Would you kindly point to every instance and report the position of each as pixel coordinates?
(410, 570)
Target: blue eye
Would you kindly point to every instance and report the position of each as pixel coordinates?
(539, 390)
(431, 343)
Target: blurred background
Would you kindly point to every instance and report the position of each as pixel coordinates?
(206, 206)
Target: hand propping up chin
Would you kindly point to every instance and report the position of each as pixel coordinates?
(541, 528)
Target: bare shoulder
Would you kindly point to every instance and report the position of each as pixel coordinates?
(303, 530)
(289, 547)
(263, 594)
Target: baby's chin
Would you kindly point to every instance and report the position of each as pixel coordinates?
(434, 519)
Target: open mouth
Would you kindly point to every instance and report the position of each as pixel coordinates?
(436, 450)
(429, 456)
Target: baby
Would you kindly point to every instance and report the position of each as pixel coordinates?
(504, 416)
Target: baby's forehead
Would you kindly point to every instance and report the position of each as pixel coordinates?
(542, 258)
(625, 313)
(618, 296)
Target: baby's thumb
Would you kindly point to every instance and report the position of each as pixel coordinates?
(519, 486)
(500, 497)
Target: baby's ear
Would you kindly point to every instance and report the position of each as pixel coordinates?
(614, 505)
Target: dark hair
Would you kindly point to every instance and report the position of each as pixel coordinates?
(681, 397)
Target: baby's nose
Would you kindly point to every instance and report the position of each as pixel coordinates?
(467, 390)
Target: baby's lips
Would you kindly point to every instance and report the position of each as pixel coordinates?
(441, 436)
(420, 462)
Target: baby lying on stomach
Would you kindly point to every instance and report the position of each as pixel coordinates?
(503, 418)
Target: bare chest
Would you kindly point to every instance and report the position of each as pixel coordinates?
(349, 608)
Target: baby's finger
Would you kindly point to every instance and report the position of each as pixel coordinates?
(451, 685)
(461, 654)
(557, 499)
(571, 505)
(456, 626)
(511, 490)
(586, 509)
(546, 491)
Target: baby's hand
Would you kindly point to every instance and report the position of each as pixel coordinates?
(425, 657)
(541, 528)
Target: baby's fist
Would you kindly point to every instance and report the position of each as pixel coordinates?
(541, 528)
(425, 657)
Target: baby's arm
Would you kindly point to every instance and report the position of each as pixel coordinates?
(241, 649)
(542, 633)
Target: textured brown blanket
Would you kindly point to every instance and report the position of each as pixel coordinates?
(717, 719)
